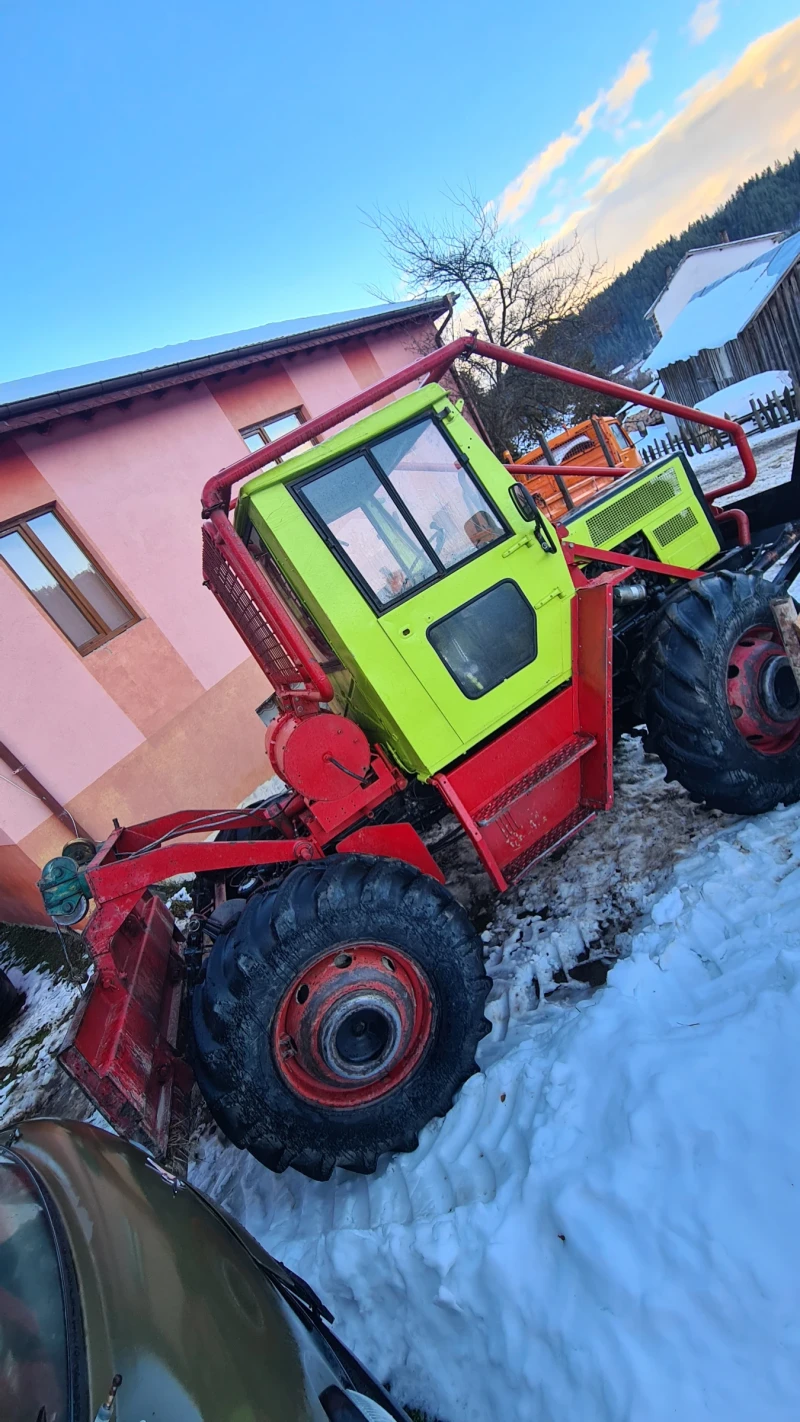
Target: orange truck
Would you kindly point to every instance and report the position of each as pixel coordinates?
(591, 445)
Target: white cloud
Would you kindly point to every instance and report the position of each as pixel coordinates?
(729, 128)
(520, 193)
(703, 21)
(703, 85)
(551, 218)
(623, 91)
(597, 166)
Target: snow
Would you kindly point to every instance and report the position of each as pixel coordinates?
(27, 1051)
(31, 387)
(719, 312)
(735, 399)
(774, 455)
(605, 1225)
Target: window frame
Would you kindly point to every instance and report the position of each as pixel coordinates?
(260, 427)
(19, 524)
(297, 486)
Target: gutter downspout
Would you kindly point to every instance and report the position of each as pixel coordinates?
(38, 790)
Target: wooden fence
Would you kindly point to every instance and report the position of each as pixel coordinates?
(764, 415)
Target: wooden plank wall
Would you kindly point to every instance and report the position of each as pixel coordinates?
(770, 342)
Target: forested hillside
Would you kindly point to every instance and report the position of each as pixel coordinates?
(615, 324)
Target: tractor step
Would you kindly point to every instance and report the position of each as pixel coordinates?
(567, 754)
(559, 835)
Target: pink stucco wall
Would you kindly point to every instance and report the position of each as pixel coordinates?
(133, 485)
(56, 718)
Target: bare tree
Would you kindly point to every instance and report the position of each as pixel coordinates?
(515, 296)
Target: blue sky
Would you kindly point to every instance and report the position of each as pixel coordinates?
(177, 170)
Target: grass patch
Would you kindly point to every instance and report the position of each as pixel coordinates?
(42, 949)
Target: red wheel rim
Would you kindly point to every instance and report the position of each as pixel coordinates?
(763, 696)
(353, 1025)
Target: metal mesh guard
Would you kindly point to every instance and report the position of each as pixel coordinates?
(247, 618)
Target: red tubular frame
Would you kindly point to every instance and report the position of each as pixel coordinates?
(577, 471)
(216, 494)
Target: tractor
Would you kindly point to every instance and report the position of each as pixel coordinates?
(436, 646)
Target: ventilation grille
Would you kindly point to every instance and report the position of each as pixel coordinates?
(248, 620)
(675, 527)
(632, 508)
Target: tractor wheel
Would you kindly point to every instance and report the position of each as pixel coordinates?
(719, 697)
(339, 1015)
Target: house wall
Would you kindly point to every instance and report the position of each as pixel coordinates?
(770, 342)
(700, 269)
(163, 715)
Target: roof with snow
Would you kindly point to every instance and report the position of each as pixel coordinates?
(712, 247)
(720, 312)
(34, 397)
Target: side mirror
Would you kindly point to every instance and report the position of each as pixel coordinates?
(523, 502)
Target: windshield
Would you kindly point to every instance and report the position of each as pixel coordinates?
(403, 512)
(33, 1340)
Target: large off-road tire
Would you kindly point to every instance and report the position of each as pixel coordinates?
(719, 698)
(339, 1015)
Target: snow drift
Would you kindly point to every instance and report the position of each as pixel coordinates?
(606, 1224)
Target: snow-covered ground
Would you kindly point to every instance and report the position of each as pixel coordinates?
(31, 1081)
(773, 451)
(605, 1226)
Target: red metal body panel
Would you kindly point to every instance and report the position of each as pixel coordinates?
(399, 841)
(122, 1048)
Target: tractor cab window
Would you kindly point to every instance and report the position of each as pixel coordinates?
(369, 528)
(438, 492)
(402, 512)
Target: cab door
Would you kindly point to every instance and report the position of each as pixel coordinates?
(490, 635)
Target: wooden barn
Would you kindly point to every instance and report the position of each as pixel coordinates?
(745, 323)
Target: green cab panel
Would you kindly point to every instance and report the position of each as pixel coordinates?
(664, 502)
(399, 538)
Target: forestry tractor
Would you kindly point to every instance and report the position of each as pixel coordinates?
(436, 647)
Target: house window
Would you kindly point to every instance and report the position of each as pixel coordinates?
(267, 431)
(65, 582)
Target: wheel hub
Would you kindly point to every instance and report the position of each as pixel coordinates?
(360, 1035)
(763, 695)
(353, 1025)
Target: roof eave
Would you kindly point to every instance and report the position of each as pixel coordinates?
(38, 409)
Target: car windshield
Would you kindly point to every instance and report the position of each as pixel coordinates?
(33, 1341)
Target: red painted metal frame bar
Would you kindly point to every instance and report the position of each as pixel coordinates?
(121, 876)
(739, 517)
(216, 494)
(627, 560)
(581, 471)
(635, 397)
